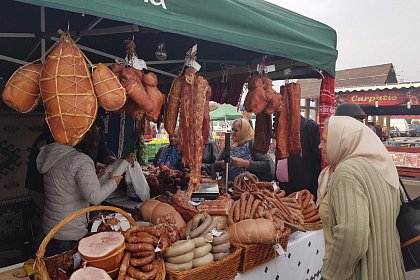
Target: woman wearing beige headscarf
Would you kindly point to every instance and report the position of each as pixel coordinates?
(359, 197)
(242, 157)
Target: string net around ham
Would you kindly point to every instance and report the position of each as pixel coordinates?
(67, 92)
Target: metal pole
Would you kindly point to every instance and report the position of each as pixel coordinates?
(43, 31)
(227, 158)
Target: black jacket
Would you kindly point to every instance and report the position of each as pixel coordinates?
(34, 180)
(303, 170)
(210, 153)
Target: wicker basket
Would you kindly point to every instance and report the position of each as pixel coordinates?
(313, 226)
(226, 268)
(40, 267)
(255, 254)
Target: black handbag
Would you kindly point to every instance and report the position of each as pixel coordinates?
(408, 224)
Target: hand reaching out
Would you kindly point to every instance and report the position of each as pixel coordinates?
(238, 162)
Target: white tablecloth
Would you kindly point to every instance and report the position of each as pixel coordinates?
(302, 261)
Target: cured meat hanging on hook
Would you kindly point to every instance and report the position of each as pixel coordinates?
(194, 114)
(67, 92)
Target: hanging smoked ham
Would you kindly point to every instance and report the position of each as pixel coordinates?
(172, 105)
(194, 109)
(275, 98)
(108, 89)
(155, 97)
(67, 92)
(294, 95)
(22, 89)
(282, 137)
(263, 132)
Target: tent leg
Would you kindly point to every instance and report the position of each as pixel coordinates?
(42, 32)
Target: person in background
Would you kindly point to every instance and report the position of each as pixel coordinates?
(34, 181)
(242, 158)
(247, 116)
(152, 133)
(70, 184)
(210, 153)
(102, 154)
(304, 169)
(351, 110)
(355, 111)
(359, 203)
(169, 155)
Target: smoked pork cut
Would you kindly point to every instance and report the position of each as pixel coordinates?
(257, 96)
(90, 273)
(195, 97)
(172, 105)
(263, 132)
(67, 92)
(131, 79)
(103, 250)
(252, 231)
(22, 89)
(282, 136)
(294, 95)
(108, 89)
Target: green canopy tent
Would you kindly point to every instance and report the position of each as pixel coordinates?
(225, 112)
(238, 32)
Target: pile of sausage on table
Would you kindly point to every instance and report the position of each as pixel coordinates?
(185, 237)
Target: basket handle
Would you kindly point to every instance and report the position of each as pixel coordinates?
(41, 250)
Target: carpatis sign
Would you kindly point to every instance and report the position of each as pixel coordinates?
(384, 98)
(157, 3)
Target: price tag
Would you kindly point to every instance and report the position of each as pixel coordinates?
(77, 260)
(116, 227)
(216, 233)
(157, 249)
(259, 68)
(136, 63)
(194, 203)
(279, 250)
(270, 68)
(193, 64)
(139, 64)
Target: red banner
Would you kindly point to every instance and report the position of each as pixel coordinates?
(384, 97)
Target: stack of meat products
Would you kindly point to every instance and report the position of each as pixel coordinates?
(262, 100)
(194, 127)
(145, 99)
(140, 262)
(288, 126)
(262, 97)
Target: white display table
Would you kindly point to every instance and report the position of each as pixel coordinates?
(302, 261)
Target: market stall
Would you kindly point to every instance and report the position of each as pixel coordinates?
(181, 239)
(390, 100)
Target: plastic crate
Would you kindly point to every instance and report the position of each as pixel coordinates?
(151, 150)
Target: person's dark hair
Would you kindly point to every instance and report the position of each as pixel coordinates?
(350, 110)
(90, 141)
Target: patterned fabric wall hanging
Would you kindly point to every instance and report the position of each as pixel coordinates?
(17, 133)
(15, 223)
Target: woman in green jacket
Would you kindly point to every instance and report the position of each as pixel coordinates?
(359, 197)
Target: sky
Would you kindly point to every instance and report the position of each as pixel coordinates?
(369, 32)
